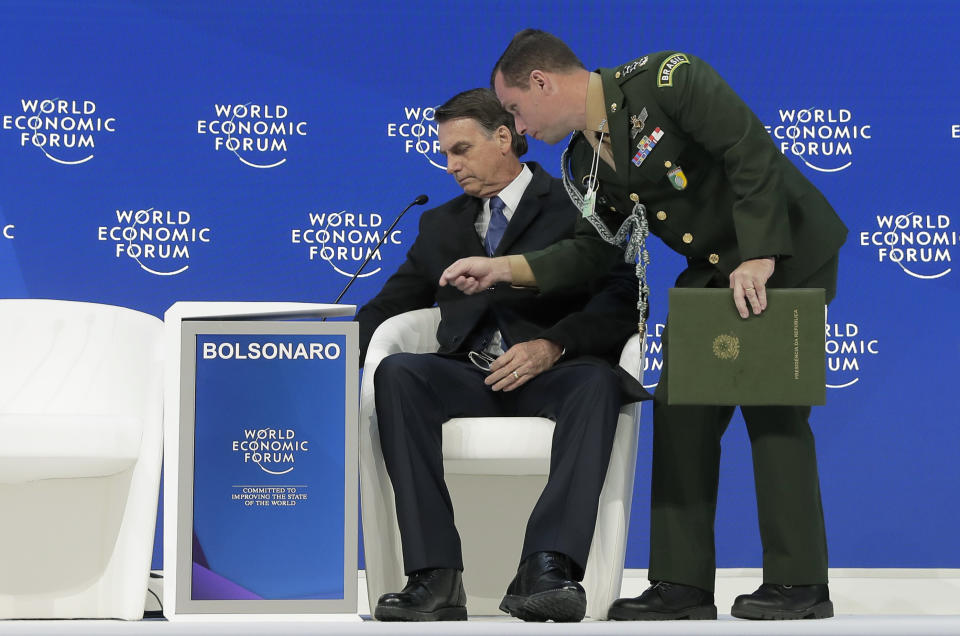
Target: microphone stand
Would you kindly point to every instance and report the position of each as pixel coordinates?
(420, 200)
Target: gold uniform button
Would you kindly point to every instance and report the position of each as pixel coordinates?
(634, 197)
(617, 75)
(714, 259)
(662, 215)
(688, 238)
(613, 108)
(613, 208)
(667, 164)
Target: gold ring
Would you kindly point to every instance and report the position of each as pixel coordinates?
(516, 375)
(746, 289)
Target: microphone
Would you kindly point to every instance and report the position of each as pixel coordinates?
(420, 200)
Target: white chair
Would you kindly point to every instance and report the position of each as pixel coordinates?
(81, 423)
(493, 484)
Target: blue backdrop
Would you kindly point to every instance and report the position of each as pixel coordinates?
(155, 151)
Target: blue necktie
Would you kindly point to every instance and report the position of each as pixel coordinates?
(498, 225)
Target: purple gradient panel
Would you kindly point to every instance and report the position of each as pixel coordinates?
(210, 586)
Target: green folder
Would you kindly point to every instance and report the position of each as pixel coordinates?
(716, 357)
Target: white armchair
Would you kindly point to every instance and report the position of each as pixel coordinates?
(80, 418)
(478, 462)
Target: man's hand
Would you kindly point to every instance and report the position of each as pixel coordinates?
(749, 285)
(476, 273)
(522, 363)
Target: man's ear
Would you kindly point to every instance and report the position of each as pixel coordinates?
(504, 138)
(541, 81)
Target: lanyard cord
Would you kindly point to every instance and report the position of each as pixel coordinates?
(632, 236)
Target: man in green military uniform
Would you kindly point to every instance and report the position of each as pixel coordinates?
(666, 132)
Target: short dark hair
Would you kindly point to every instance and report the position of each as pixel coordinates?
(482, 106)
(533, 49)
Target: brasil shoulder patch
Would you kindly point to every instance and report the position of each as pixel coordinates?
(668, 66)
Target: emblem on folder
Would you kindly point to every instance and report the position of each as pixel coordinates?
(726, 346)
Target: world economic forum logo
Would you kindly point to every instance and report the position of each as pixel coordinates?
(257, 134)
(920, 244)
(847, 348)
(417, 134)
(824, 139)
(653, 356)
(159, 241)
(275, 451)
(64, 130)
(344, 239)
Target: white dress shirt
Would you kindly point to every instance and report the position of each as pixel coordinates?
(510, 196)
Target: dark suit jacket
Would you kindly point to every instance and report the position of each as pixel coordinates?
(594, 318)
(743, 199)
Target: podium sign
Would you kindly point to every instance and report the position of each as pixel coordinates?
(267, 508)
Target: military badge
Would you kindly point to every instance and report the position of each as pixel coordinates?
(637, 122)
(677, 179)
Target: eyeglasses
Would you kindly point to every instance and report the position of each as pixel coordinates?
(481, 359)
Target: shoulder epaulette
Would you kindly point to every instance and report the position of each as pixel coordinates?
(625, 71)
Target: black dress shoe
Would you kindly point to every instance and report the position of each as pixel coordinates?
(779, 602)
(664, 601)
(430, 595)
(544, 590)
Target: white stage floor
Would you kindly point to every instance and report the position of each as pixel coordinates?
(839, 626)
(877, 603)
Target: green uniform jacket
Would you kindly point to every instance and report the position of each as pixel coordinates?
(743, 199)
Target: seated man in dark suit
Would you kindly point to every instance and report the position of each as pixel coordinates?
(506, 352)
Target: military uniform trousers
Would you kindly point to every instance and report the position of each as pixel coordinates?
(417, 393)
(686, 466)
